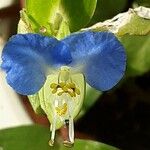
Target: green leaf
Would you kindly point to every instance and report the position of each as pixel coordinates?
(24, 23)
(63, 30)
(78, 12)
(35, 103)
(107, 9)
(91, 145)
(145, 3)
(36, 138)
(45, 13)
(138, 53)
(25, 138)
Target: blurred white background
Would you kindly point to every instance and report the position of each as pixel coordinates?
(12, 112)
(6, 3)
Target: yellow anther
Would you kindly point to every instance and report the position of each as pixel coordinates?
(62, 84)
(72, 94)
(71, 85)
(65, 89)
(53, 85)
(54, 91)
(61, 110)
(77, 91)
(70, 90)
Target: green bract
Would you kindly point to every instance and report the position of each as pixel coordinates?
(47, 98)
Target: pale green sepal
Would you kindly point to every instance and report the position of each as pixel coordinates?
(24, 25)
(63, 30)
(59, 28)
(35, 103)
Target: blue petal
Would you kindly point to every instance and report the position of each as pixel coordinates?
(25, 59)
(102, 56)
(61, 55)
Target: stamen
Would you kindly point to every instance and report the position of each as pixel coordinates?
(69, 126)
(66, 93)
(53, 85)
(69, 132)
(52, 130)
(54, 91)
(62, 84)
(71, 85)
(77, 91)
(71, 129)
(72, 94)
(63, 87)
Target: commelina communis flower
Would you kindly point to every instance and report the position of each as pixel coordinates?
(97, 58)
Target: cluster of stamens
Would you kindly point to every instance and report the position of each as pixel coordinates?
(64, 87)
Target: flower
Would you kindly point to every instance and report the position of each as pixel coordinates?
(30, 59)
